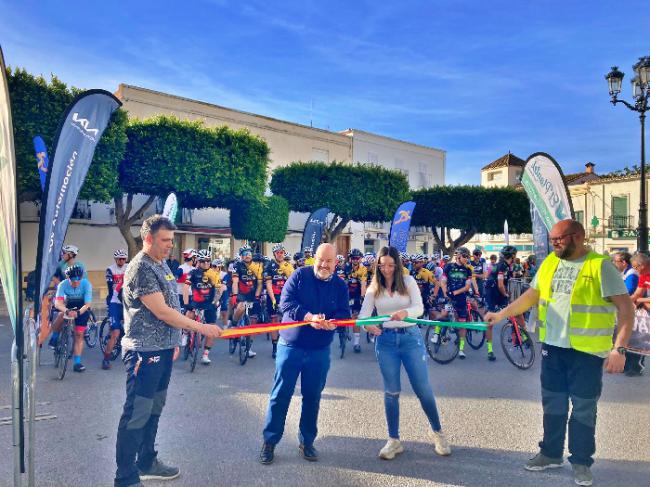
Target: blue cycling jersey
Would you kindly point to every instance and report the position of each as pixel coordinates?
(75, 296)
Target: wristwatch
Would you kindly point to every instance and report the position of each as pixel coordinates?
(621, 350)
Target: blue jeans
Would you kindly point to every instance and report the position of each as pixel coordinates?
(394, 349)
(312, 366)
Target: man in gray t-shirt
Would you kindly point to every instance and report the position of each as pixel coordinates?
(152, 324)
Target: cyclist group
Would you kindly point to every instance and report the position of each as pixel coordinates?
(222, 291)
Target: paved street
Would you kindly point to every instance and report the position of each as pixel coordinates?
(211, 426)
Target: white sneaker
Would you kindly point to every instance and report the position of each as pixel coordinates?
(391, 448)
(440, 444)
(251, 354)
(206, 360)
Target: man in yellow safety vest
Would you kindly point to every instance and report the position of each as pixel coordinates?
(580, 297)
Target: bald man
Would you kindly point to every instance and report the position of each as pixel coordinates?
(580, 296)
(312, 294)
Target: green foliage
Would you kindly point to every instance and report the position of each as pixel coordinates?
(472, 208)
(205, 167)
(37, 108)
(352, 192)
(264, 220)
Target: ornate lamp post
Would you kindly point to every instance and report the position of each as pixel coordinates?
(640, 93)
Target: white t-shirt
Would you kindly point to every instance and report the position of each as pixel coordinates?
(386, 304)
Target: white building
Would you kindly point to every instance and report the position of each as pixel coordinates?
(93, 228)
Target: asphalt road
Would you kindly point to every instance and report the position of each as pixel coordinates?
(211, 426)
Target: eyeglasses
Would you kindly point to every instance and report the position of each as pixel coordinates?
(561, 237)
(244, 254)
(75, 279)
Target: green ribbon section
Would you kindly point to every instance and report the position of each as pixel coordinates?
(470, 325)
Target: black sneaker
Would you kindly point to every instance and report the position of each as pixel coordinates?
(106, 364)
(491, 357)
(266, 455)
(308, 452)
(357, 349)
(79, 367)
(159, 471)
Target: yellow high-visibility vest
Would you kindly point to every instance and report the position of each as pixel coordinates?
(592, 318)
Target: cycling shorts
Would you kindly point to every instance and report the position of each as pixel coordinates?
(250, 298)
(209, 311)
(116, 313)
(355, 304)
(495, 300)
(460, 305)
(269, 306)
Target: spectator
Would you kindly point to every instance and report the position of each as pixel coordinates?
(641, 264)
(623, 262)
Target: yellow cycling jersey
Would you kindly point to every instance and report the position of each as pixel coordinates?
(214, 276)
(310, 261)
(425, 276)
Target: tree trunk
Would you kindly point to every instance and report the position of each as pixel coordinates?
(334, 229)
(125, 220)
(465, 236)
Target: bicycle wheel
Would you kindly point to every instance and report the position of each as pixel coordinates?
(519, 352)
(475, 338)
(90, 336)
(195, 344)
(442, 347)
(64, 352)
(104, 333)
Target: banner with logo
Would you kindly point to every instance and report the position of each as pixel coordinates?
(42, 160)
(400, 225)
(546, 188)
(313, 231)
(542, 246)
(640, 338)
(83, 124)
(170, 210)
(9, 251)
(506, 233)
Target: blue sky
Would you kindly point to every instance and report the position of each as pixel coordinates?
(474, 78)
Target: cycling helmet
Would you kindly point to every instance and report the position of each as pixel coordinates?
(189, 253)
(404, 256)
(307, 249)
(464, 251)
(355, 253)
(430, 266)
(297, 256)
(508, 251)
(203, 255)
(74, 271)
(340, 259)
(445, 257)
(245, 248)
(477, 252)
(120, 254)
(217, 263)
(278, 247)
(71, 249)
(418, 258)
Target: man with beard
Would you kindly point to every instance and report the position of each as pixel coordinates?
(580, 296)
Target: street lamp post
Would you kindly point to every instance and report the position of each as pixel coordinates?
(640, 93)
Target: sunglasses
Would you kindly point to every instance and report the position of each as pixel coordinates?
(75, 279)
(244, 254)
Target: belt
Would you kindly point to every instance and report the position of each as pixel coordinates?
(400, 330)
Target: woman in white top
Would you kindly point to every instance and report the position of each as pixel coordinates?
(398, 342)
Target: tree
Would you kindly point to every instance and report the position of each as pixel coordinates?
(352, 192)
(205, 167)
(470, 209)
(263, 220)
(37, 108)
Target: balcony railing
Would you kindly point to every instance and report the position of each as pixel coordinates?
(621, 222)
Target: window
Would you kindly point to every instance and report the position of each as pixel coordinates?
(81, 210)
(580, 216)
(368, 245)
(320, 155)
(619, 212)
(494, 176)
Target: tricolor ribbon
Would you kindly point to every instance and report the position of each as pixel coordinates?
(371, 321)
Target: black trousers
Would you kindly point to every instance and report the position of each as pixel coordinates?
(570, 374)
(147, 378)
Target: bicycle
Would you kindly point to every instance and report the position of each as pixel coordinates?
(474, 338)
(195, 340)
(105, 336)
(517, 344)
(344, 338)
(63, 347)
(244, 342)
(91, 333)
(443, 342)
